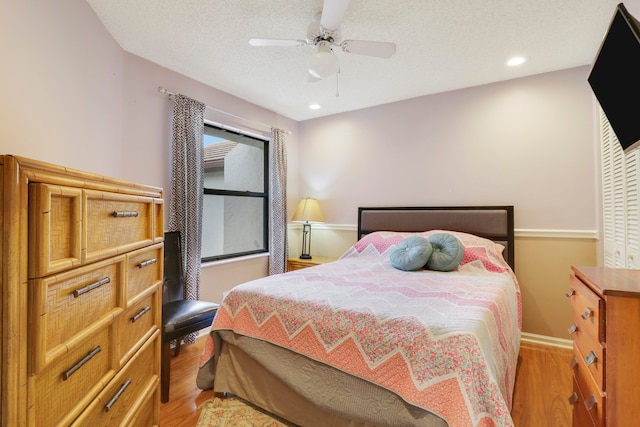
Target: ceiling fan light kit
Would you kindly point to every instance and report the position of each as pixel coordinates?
(324, 32)
(323, 63)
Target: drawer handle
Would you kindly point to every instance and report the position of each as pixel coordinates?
(140, 313)
(573, 328)
(66, 374)
(591, 358)
(590, 402)
(573, 399)
(147, 262)
(573, 363)
(124, 214)
(91, 287)
(115, 398)
(571, 293)
(587, 313)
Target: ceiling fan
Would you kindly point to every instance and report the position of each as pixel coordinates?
(324, 34)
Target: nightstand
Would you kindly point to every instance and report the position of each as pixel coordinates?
(298, 264)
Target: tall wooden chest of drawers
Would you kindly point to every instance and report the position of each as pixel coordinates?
(81, 288)
(606, 344)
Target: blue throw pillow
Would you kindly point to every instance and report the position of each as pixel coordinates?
(447, 252)
(411, 253)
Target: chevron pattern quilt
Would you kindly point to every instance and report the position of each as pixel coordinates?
(444, 342)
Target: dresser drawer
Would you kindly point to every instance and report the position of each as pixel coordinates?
(59, 393)
(55, 228)
(587, 309)
(144, 271)
(593, 399)
(116, 223)
(146, 414)
(64, 308)
(127, 391)
(137, 324)
(581, 417)
(158, 215)
(591, 354)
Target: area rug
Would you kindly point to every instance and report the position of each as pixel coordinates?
(228, 412)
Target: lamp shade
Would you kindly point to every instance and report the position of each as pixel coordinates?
(308, 210)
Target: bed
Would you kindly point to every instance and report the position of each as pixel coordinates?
(358, 342)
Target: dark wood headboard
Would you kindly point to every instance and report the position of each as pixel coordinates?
(491, 222)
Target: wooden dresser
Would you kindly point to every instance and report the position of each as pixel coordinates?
(606, 344)
(81, 288)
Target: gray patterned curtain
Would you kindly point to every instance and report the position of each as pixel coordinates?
(277, 202)
(187, 186)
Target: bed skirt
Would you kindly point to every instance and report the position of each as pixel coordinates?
(307, 392)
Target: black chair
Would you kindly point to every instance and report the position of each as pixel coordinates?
(180, 317)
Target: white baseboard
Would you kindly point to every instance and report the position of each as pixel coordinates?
(545, 340)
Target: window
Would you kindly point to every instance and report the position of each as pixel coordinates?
(235, 203)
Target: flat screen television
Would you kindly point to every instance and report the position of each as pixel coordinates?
(615, 77)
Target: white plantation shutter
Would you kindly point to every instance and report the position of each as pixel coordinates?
(632, 173)
(620, 200)
(608, 214)
(613, 195)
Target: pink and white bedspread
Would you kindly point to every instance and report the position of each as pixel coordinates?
(445, 342)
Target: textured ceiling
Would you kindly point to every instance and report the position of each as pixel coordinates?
(441, 45)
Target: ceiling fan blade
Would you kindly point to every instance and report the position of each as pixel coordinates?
(332, 14)
(369, 48)
(276, 42)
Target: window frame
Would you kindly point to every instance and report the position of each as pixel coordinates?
(264, 195)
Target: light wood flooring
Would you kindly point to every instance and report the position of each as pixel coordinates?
(543, 384)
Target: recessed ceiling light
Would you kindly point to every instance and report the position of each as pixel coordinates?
(516, 60)
(314, 106)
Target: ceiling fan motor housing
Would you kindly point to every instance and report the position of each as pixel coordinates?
(316, 33)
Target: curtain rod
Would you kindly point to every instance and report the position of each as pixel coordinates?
(163, 90)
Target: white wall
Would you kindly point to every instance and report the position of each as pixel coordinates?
(71, 96)
(527, 142)
(62, 86)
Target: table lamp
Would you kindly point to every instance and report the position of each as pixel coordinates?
(307, 212)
